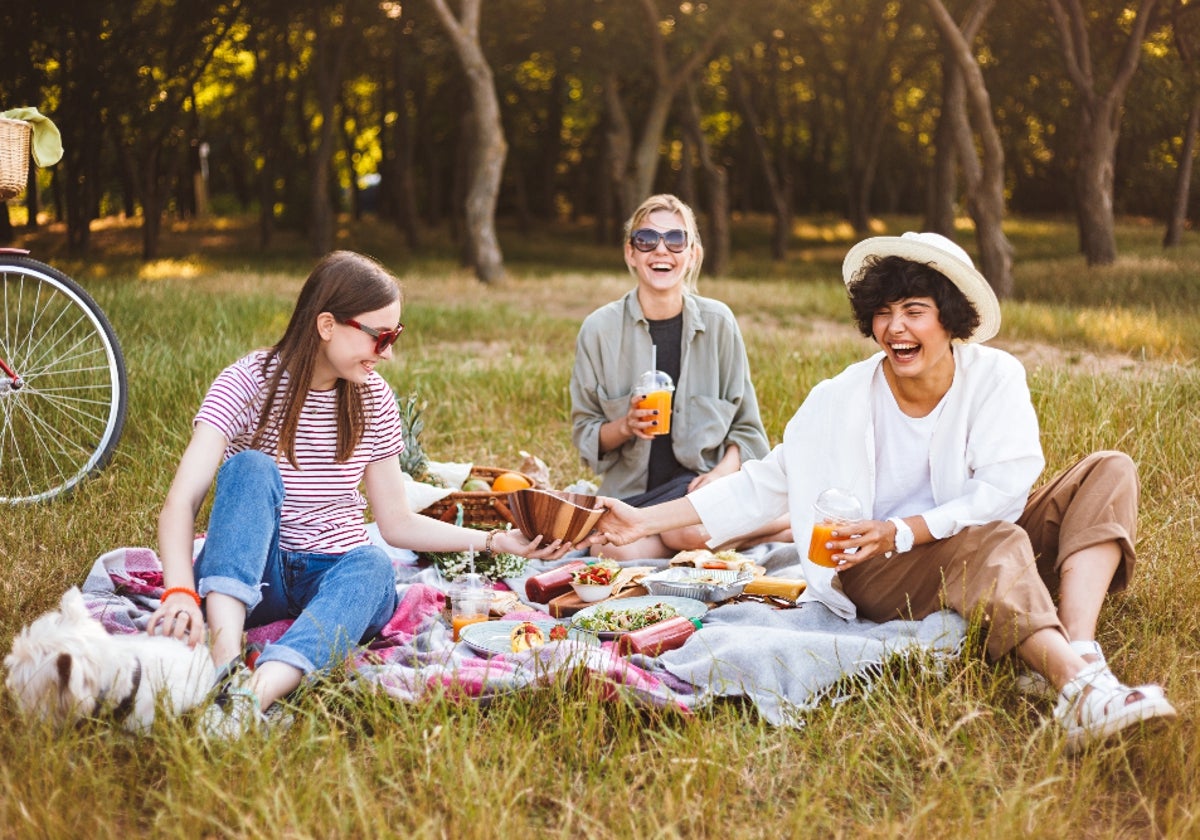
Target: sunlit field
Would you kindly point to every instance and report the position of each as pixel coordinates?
(1111, 355)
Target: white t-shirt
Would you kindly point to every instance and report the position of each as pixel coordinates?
(903, 482)
(323, 509)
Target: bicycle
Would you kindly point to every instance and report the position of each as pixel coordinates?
(63, 385)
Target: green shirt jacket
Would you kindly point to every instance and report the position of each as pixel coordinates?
(714, 402)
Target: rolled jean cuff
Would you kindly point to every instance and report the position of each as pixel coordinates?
(234, 588)
(288, 656)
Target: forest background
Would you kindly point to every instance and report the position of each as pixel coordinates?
(438, 114)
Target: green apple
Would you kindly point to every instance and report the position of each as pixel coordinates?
(476, 485)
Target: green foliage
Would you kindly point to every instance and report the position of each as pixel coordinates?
(930, 752)
(842, 101)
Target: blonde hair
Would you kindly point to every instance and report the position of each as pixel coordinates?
(671, 204)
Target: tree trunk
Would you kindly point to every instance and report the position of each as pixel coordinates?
(151, 203)
(637, 180)
(405, 189)
(607, 180)
(329, 53)
(983, 171)
(685, 178)
(543, 194)
(864, 160)
(489, 149)
(1094, 189)
(273, 67)
(1099, 121)
(779, 196)
(618, 146)
(943, 183)
(32, 201)
(717, 237)
(1183, 178)
(642, 174)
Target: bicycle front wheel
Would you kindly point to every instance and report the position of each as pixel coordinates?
(63, 389)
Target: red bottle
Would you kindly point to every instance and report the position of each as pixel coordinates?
(653, 640)
(548, 585)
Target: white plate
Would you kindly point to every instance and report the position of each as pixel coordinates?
(492, 637)
(686, 607)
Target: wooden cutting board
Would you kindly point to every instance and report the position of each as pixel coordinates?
(569, 603)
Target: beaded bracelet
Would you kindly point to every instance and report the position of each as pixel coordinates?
(191, 593)
(487, 543)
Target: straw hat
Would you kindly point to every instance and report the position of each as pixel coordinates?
(938, 253)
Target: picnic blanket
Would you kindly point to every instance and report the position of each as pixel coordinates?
(413, 657)
(784, 661)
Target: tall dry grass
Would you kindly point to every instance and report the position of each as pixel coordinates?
(928, 753)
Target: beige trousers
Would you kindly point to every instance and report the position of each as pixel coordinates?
(1009, 572)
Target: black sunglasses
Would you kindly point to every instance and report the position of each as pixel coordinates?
(383, 338)
(647, 239)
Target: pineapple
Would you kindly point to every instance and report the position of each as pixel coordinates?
(413, 459)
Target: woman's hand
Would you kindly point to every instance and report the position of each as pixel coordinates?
(620, 524)
(872, 537)
(641, 421)
(515, 542)
(730, 463)
(178, 616)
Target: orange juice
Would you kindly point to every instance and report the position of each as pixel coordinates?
(660, 400)
(458, 622)
(817, 552)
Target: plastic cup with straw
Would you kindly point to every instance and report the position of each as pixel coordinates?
(657, 390)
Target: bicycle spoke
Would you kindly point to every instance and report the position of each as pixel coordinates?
(64, 420)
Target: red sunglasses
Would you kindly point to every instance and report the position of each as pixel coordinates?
(383, 338)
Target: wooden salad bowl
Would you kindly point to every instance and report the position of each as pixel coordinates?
(554, 514)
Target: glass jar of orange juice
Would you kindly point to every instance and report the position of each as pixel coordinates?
(833, 508)
(656, 389)
(470, 602)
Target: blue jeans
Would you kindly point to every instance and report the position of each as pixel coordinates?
(337, 600)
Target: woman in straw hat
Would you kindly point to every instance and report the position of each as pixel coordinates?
(937, 437)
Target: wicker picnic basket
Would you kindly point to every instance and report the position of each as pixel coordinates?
(14, 157)
(481, 508)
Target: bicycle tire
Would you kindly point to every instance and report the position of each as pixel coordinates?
(62, 417)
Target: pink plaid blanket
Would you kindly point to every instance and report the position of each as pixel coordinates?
(414, 656)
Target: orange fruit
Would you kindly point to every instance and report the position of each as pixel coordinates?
(510, 481)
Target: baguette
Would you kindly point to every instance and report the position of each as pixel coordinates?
(775, 587)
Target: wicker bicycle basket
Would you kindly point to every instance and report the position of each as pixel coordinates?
(481, 508)
(14, 157)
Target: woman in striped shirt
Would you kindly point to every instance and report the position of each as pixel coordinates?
(290, 433)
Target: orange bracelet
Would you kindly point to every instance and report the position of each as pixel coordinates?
(192, 593)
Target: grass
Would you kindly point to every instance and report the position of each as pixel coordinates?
(1111, 355)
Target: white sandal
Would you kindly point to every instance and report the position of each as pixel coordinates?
(1035, 685)
(1095, 705)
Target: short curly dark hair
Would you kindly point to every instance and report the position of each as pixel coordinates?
(884, 280)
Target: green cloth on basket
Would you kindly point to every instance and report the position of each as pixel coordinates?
(47, 141)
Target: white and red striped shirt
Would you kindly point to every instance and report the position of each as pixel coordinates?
(323, 509)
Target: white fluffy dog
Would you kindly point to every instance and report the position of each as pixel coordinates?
(65, 666)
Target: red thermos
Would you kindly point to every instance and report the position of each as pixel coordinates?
(542, 588)
(653, 640)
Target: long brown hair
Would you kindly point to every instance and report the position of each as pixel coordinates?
(344, 284)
